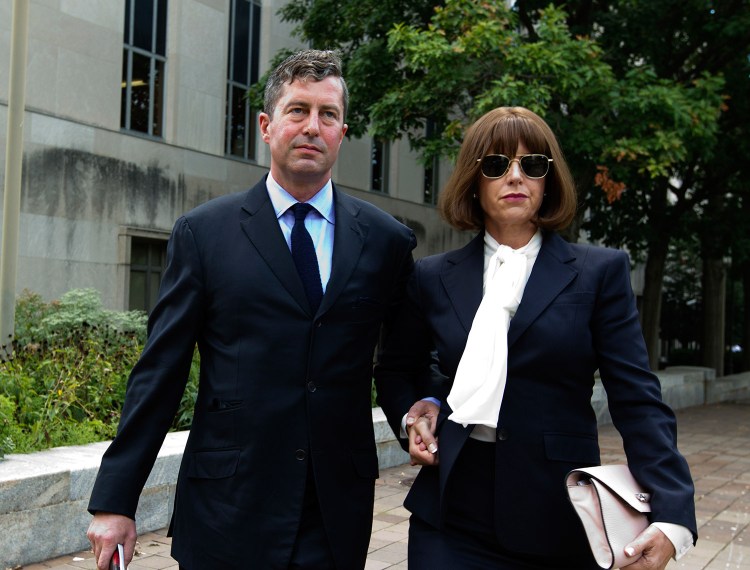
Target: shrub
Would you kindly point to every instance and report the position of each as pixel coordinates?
(66, 382)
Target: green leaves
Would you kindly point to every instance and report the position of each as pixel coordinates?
(67, 381)
(473, 57)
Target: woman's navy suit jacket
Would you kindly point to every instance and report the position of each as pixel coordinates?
(577, 316)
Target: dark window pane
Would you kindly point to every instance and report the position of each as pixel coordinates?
(153, 291)
(161, 28)
(140, 93)
(144, 24)
(139, 254)
(254, 59)
(241, 41)
(228, 123)
(128, 39)
(147, 263)
(231, 39)
(429, 186)
(431, 172)
(238, 121)
(158, 80)
(137, 291)
(376, 166)
(124, 98)
(431, 183)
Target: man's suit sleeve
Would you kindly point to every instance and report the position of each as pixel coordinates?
(403, 357)
(157, 381)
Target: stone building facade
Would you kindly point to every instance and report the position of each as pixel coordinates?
(134, 116)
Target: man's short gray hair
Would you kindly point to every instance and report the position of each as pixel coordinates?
(305, 64)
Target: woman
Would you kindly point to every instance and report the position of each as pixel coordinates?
(507, 334)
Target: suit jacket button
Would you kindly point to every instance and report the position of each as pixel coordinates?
(311, 387)
(502, 434)
(300, 454)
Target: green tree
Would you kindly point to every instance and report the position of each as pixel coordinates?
(628, 135)
(683, 42)
(358, 29)
(597, 72)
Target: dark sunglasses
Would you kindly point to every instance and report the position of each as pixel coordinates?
(497, 165)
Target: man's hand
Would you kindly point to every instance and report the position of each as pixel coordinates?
(654, 546)
(421, 424)
(105, 532)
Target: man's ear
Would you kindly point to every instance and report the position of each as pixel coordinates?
(264, 122)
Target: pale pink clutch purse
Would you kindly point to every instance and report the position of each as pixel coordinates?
(612, 507)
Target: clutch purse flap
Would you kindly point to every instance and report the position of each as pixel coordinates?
(619, 480)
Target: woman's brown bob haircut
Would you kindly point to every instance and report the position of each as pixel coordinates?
(500, 131)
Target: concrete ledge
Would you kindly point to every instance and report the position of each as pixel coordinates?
(728, 388)
(43, 495)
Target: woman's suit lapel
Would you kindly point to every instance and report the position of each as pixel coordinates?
(553, 271)
(461, 276)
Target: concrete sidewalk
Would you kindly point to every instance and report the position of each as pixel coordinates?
(715, 439)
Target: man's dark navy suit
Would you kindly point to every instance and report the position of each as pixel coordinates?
(280, 387)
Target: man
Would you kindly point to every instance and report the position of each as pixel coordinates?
(280, 465)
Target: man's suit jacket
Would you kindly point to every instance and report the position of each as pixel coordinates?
(280, 387)
(577, 315)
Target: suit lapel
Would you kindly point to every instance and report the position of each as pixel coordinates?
(462, 276)
(349, 236)
(262, 229)
(551, 274)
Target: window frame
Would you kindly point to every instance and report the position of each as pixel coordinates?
(127, 236)
(157, 68)
(380, 169)
(431, 177)
(249, 143)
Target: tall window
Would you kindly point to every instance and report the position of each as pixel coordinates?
(432, 182)
(379, 151)
(143, 63)
(242, 71)
(431, 173)
(148, 258)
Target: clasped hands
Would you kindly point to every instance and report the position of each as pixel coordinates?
(421, 424)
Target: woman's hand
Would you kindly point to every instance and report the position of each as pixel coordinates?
(655, 548)
(421, 424)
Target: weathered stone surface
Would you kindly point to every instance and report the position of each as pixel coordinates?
(37, 534)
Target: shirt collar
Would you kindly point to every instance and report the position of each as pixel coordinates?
(322, 201)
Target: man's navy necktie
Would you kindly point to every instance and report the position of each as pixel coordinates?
(303, 254)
